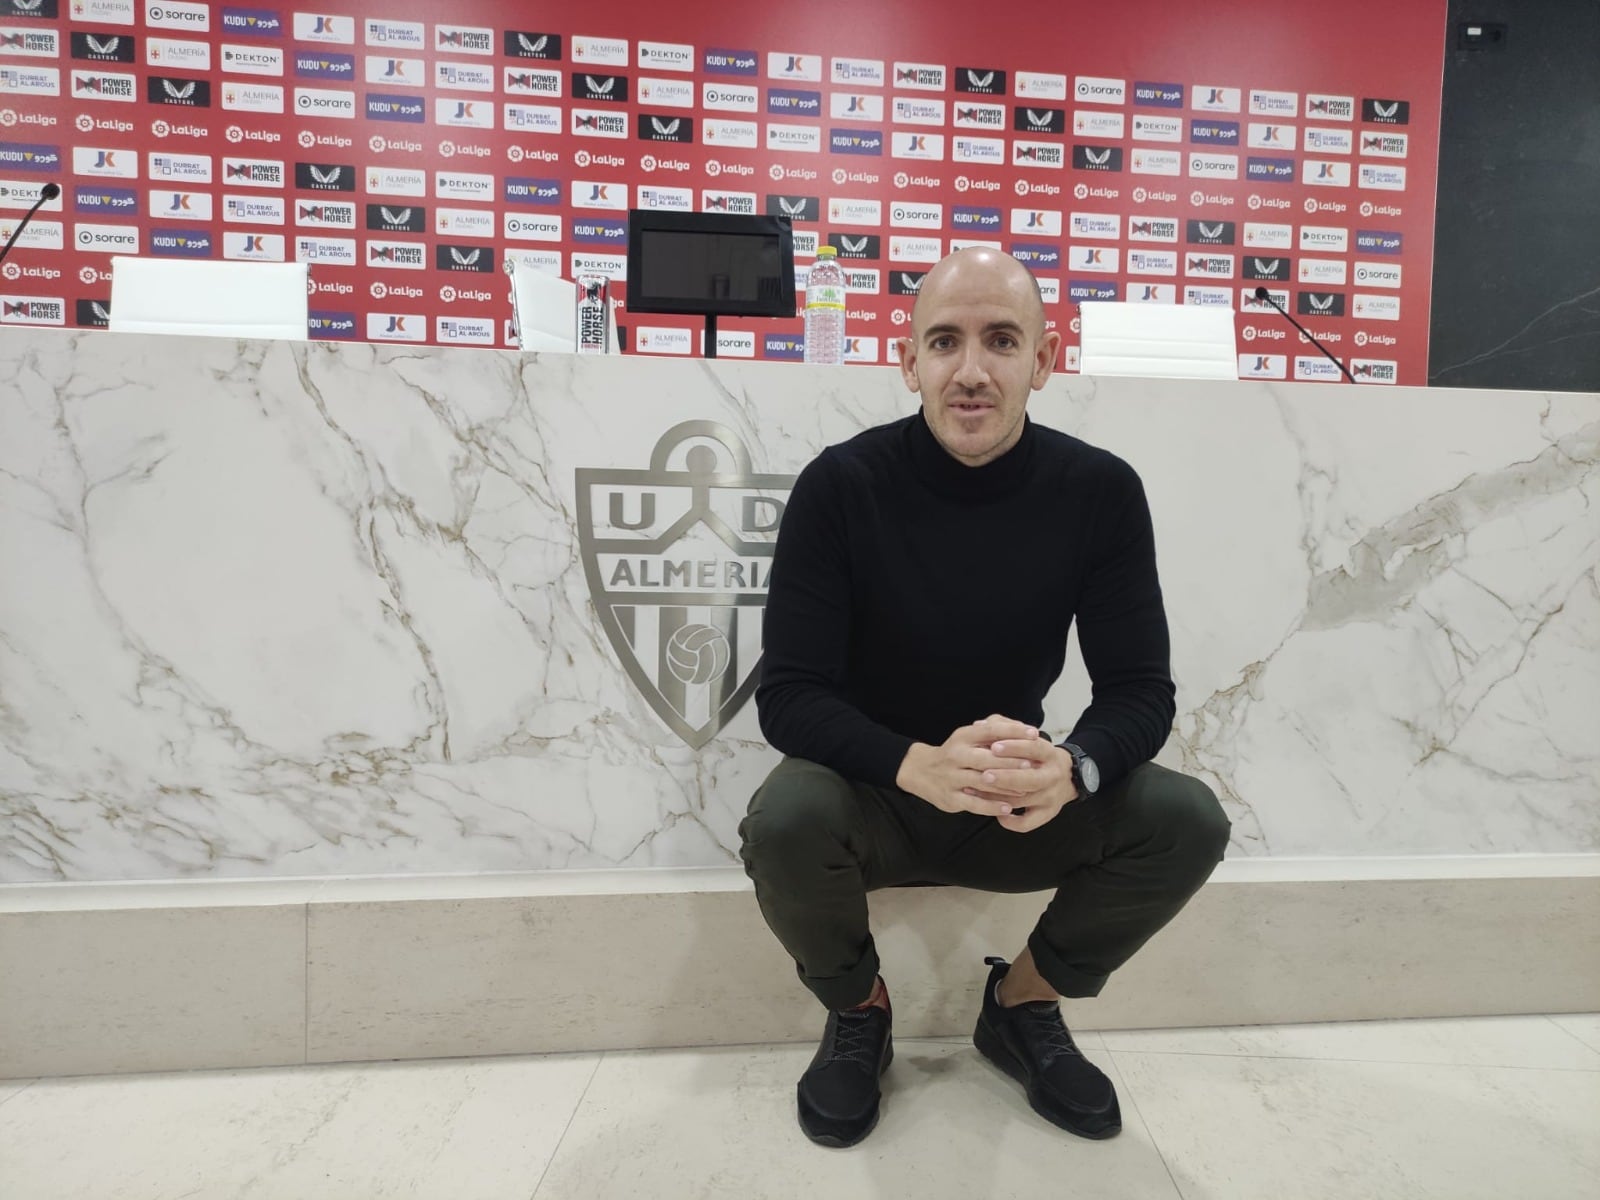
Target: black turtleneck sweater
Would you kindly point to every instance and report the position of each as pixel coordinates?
(911, 594)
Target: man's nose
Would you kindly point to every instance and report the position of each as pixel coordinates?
(972, 373)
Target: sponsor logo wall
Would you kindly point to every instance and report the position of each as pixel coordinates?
(1172, 157)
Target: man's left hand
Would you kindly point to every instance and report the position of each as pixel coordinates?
(1040, 790)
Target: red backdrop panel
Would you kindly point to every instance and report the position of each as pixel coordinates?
(1137, 151)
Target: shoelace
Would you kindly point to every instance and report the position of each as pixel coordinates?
(853, 1041)
(1048, 1032)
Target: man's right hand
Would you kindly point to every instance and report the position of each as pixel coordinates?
(951, 777)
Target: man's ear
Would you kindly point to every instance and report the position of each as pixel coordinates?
(1045, 351)
(908, 363)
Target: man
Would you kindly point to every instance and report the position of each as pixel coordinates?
(925, 575)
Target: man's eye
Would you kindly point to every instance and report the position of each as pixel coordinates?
(943, 343)
(1005, 341)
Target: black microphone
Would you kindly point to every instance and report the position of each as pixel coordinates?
(1263, 294)
(48, 192)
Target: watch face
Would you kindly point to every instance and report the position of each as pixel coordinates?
(1090, 773)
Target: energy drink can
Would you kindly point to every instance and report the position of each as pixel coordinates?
(594, 307)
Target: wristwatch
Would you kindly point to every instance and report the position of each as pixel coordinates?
(1085, 775)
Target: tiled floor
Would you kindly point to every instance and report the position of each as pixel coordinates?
(1494, 1107)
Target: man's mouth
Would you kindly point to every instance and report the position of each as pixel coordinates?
(970, 406)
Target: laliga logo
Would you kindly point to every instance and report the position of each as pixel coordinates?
(1076, 325)
(1139, 195)
(234, 134)
(1249, 333)
(89, 275)
(582, 158)
(307, 139)
(1020, 187)
(11, 271)
(775, 173)
(1311, 205)
(377, 144)
(514, 153)
(447, 149)
(447, 294)
(1366, 208)
(8, 118)
(713, 168)
(901, 179)
(899, 316)
(962, 183)
(379, 291)
(1253, 203)
(1197, 198)
(85, 122)
(647, 163)
(840, 175)
(160, 128)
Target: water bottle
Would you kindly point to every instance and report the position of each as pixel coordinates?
(825, 309)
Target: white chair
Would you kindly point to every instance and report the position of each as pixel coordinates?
(215, 299)
(1166, 341)
(546, 311)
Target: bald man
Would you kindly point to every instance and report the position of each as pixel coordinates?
(925, 577)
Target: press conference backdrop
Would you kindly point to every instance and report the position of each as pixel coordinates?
(1137, 151)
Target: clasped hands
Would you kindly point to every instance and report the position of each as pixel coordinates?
(996, 767)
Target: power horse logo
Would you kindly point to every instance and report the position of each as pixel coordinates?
(677, 558)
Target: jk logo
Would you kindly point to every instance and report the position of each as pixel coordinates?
(677, 558)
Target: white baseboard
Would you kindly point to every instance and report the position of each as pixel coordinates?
(125, 977)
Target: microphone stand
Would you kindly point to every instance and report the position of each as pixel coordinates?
(48, 192)
(1263, 294)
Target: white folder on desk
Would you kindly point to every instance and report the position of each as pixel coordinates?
(216, 299)
(1167, 341)
(546, 308)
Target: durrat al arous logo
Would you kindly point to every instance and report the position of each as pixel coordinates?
(677, 558)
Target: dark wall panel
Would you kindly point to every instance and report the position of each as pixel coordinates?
(1516, 284)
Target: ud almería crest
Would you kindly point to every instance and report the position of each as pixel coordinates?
(677, 558)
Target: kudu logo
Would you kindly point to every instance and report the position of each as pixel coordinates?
(679, 582)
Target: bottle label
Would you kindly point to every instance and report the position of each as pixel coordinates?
(825, 295)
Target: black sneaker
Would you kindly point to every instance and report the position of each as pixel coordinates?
(839, 1093)
(1030, 1043)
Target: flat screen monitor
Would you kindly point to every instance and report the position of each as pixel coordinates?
(711, 264)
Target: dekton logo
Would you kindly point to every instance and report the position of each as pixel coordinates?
(677, 580)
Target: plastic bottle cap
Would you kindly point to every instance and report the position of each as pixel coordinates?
(827, 251)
